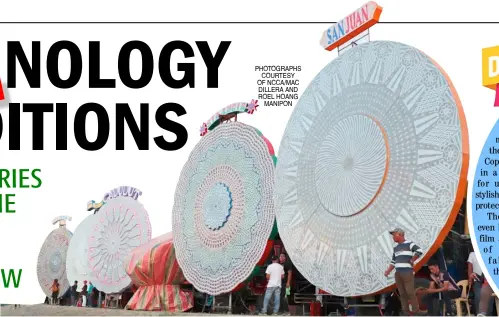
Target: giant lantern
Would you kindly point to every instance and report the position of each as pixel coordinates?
(378, 140)
(223, 213)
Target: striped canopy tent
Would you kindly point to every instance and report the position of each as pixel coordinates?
(154, 269)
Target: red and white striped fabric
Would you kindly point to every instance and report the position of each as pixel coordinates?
(154, 269)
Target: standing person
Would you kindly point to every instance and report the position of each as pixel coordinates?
(286, 282)
(95, 297)
(274, 274)
(405, 253)
(90, 294)
(476, 280)
(84, 294)
(55, 291)
(485, 298)
(441, 283)
(99, 304)
(74, 293)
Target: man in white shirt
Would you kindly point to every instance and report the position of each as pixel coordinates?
(274, 274)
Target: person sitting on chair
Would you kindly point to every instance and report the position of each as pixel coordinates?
(441, 283)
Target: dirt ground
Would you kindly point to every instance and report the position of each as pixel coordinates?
(47, 310)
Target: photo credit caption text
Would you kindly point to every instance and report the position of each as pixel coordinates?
(277, 85)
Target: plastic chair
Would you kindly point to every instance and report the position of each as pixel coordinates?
(463, 299)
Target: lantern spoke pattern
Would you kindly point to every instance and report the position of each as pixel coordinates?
(77, 267)
(376, 141)
(121, 225)
(52, 261)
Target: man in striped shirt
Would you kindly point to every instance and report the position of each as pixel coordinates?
(405, 253)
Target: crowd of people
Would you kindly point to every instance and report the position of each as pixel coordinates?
(89, 296)
(442, 289)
